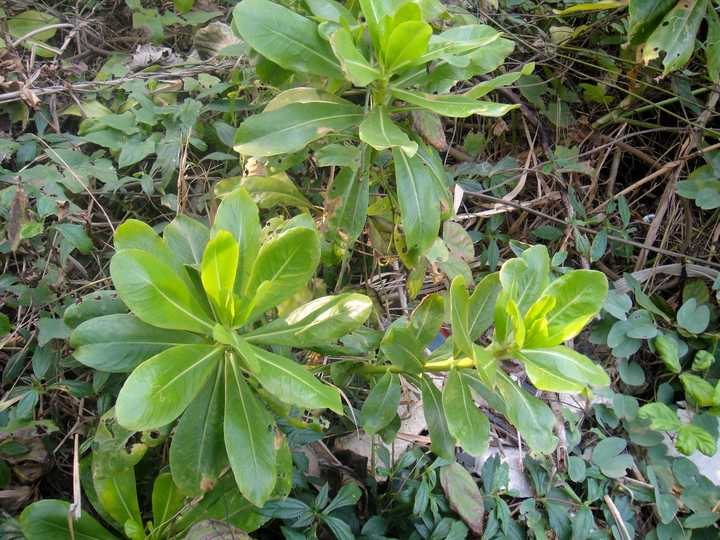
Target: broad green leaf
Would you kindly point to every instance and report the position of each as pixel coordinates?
(95, 304)
(353, 63)
(197, 450)
(135, 234)
(509, 325)
(29, 21)
(485, 87)
(533, 419)
(374, 12)
(288, 39)
(118, 343)
(116, 491)
(609, 456)
(407, 42)
(644, 17)
(561, 369)
(459, 316)
(439, 176)
(283, 266)
(675, 35)
(441, 441)
(469, 426)
(161, 388)
(381, 404)
(464, 495)
(401, 347)
(287, 380)
(526, 277)
(662, 417)
(48, 520)
(453, 105)
(238, 214)
(218, 270)
(186, 238)
(275, 190)
(317, 323)
(419, 207)
(691, 438)
(427, 318)
(667, 349)
(459, 40)
(291, 128)
(380, 132)
(167, 499)
(481, 305)
(154, 293)
(303, 94)
(702, 360)
(697, 388)
(249, 438)
(693, 317)
(579, 295)
(330, 10)
(347, 206)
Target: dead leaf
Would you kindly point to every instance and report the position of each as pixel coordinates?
(18, 216)
(464, 495)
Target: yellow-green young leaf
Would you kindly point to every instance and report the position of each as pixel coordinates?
(667, 349)
(452, 105)
(317, 323)
(407, 42)
(29, 21)
(380, 132)
(662, 417)
(288, 39)
(381, 405)
(400, 346)
(698, 389)
(283, 266)
(374, 11)
(186, 238)
(161, 388)
(561, 369)
(602, 5)
(238, 214)
(217, 272)
(691, 438)
(249, 438)
(353, 63)
(155, 294)
(485, 364)
(115, 489)
(466, 423)
(167, 499)
(419, 207)
(441, 442)
(533, 419)
(525, 277)
(48, 519)
(675, 35)
(291, 128)
(118, 343)
(481, 305)
(535, 323)
(287, 380)
(459, 302)
(579, 295)
(509, 326)
(197, 450)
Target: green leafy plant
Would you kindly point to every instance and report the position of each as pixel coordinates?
(533, 314)
(393, 56)
(194, 342)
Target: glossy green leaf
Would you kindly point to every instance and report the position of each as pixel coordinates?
(353, 63)
(285, 37)
(561, 369)
(374, 12)
(161, 388)
(452, 105)
(48, 520)
(116, 491)
(167, 500)
(287, 130)
(218, 270)
(459, 40)
(283, 266)
(644, 17)
(407, 42)
(317, 323)
(529, 415)
(197, 450)
(427, 318)
(400, 346)
(118, 343)
(579, 295)
(287, 380)
(275, 190)
(90, 306)
(155, 294)
(249, 438)
(441, 441)
(380, 132)
(459, 316)
(347, 205)
(382, 404)
(238, 214)
(135, 234)
(330, 10)
(526, 277)
(481, 305)
(675, 35)
(186, 238)
(469, 426)
(419, 208)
